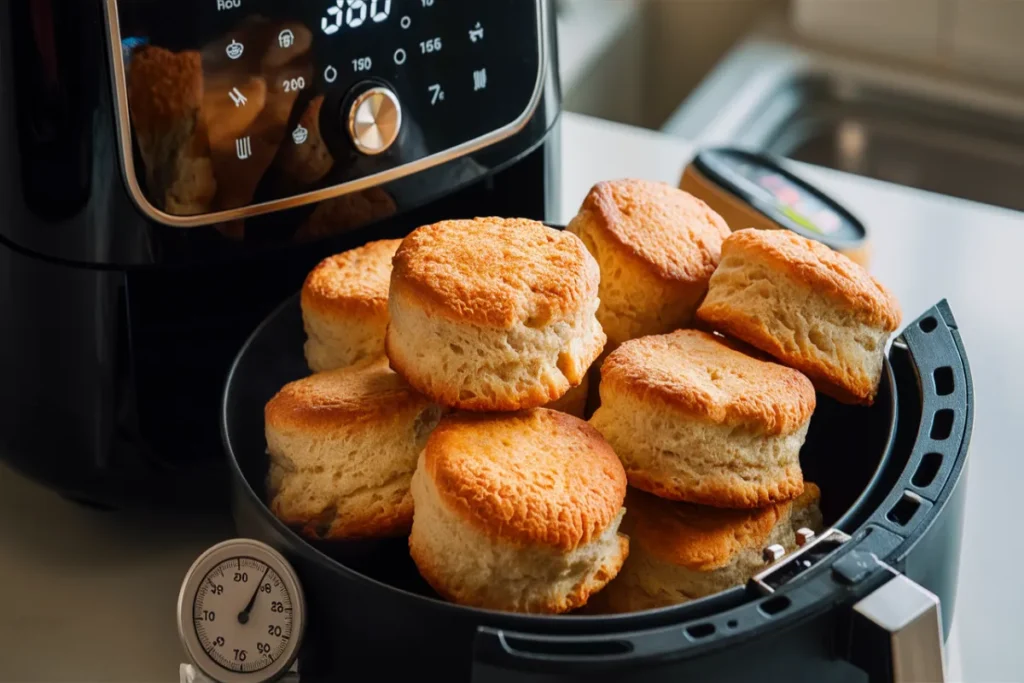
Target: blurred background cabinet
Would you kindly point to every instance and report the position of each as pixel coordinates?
(637, 61)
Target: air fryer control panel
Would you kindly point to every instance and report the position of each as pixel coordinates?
(229, 108)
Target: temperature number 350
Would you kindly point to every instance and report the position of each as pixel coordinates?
(294, 84)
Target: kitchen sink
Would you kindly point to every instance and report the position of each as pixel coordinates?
(917, 129)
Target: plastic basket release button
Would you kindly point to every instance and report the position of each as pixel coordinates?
(855, 566)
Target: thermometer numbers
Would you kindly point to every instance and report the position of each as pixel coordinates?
(239, 640)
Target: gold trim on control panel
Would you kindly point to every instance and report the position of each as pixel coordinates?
(142, 202)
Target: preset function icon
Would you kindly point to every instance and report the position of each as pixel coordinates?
(235, 49)
(243, 148)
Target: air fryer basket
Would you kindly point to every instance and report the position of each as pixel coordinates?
(892, 496)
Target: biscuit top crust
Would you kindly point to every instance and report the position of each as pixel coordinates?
(672, 233)
(164, 87)
(702, 375)
(326, 400)
(537, 477)
(496, 272)
(821, 268)
(354, 281)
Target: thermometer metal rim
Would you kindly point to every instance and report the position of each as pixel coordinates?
(225, 550)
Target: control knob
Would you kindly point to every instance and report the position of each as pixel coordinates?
(374, 120)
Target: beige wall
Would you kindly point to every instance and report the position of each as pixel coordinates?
(611, 86)
(683, 41)
(635, 61)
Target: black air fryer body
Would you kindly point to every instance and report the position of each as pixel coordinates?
(153, 217)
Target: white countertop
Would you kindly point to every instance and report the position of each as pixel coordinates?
(68, 616)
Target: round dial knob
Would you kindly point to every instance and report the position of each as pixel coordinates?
(374, 120)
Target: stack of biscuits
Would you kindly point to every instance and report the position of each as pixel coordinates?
(448, 400)
(721, 340)
(449, 380)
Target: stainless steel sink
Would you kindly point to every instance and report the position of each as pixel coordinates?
(908, 127)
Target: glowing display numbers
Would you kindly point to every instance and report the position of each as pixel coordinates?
(353, 13)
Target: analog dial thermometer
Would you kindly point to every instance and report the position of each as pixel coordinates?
(241, 613)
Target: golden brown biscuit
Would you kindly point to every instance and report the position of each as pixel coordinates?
(657, 246)
(695, 420)
(493, 313)
(343, 446)
(681, 552)
(345, 306)
(808, 306)
(518, 511)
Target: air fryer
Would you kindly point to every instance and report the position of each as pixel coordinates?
(174, 168)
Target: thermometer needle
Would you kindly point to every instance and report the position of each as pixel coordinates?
(243, 616)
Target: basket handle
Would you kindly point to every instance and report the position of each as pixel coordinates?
(896, 633)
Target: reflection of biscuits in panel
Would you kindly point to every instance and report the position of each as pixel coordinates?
(242, 161)
(346, 213)
(230, 106)
(305, 158)
(288, 42)
(249, 102)
(165, 91)
(193, 187)
(249, 41)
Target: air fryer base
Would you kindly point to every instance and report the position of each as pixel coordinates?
(909, 518)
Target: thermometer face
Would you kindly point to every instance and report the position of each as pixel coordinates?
(240, 613)
(243, 615)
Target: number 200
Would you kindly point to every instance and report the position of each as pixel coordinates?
(355, 16)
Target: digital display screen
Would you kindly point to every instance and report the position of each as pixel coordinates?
(239, 102)
(793, 201)
(764, 184)
(353, 14)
